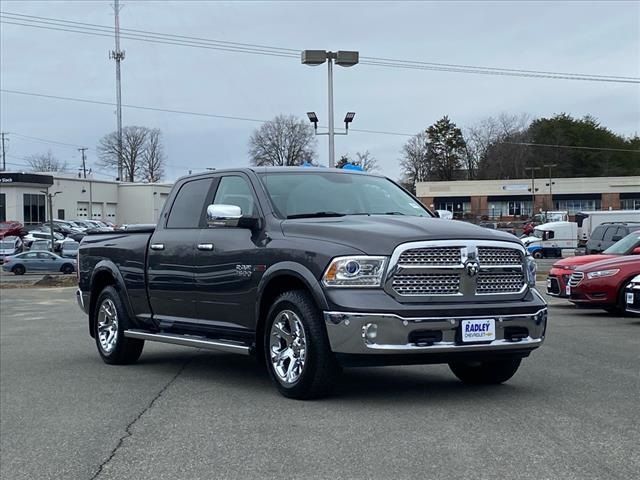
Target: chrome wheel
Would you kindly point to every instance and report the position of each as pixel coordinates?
(107, 326)
(287, 347)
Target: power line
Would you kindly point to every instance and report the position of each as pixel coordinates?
(574, 147)
(198, 42)
(38, 139)
(255, 120)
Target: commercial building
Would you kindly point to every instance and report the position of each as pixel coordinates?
(23, 197)
(514, 199)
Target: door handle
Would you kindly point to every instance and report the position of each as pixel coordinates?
(205, 246)
(157, 246)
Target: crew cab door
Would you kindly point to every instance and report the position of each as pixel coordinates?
(170, 271)
(229, 262)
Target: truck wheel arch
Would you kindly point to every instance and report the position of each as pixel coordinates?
(104, 274)
(279, 278)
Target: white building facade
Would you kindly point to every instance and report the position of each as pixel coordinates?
(23, 197)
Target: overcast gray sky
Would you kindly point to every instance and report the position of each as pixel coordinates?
(573, 36)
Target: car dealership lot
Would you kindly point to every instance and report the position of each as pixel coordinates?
(570, 412)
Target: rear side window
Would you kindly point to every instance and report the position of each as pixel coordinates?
(598, 233)
(189, 205)
(610, 233)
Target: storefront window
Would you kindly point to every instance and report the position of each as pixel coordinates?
(575, 206)
(3, 207)
(630, 204)
(34, 208)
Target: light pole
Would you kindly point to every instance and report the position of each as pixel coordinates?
(344, 59)
(533, 187)
(49, 197)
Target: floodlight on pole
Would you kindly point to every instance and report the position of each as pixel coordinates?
(313, 118)
(344, 58)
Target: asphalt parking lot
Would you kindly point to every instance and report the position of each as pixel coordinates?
(571, 412)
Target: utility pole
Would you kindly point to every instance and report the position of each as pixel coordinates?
(49, 197)
(551, 182)
(84, 165)
(533, 187)
(118, 56)
(4, 160)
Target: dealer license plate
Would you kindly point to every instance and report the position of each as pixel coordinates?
(478, 330)
(548, 284)
(567, 290)
(629, 298)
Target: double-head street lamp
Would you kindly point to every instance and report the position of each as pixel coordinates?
(344, 59)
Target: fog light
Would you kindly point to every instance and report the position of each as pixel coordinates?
(370, 332)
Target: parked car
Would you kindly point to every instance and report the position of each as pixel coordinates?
(10, 246)
(632, 296)
(560, 272)
(69, 249)
(43, 234)
(310, 269)
(42, 245)
(603, 284)
(606, 234)
(38, 261)
(589, 221)
(11, 228)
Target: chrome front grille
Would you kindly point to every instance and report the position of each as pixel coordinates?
(576, 278)
(499, 282)
(435, 256)
(427, 284)
(498, 256)
(469, 269)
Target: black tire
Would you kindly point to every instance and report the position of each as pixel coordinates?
(67, 269)
(18, 270)
(538, 254)
(620, 307)
(320, 368)
(489, 372)
(125, 350)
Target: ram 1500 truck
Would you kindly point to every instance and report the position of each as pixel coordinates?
(310, 270)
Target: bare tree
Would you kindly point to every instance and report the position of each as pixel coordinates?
(46, 162)
(364, 160)
(415, 162)
(284, 141)
(367, 161)
(153, 158)
(134, 144)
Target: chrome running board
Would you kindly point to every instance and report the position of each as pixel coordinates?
(190, 341)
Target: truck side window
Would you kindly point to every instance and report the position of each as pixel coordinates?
(234, 190)
(188, 207)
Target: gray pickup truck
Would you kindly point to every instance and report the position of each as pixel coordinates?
(310, 270)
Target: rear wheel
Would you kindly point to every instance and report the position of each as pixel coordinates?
(111, 320)
(67, 269)
(18, 270)
(537, 254)
(488, 372)
(296, 347)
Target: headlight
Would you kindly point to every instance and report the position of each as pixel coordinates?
(357, 271)
(532, 269)
(603, 273)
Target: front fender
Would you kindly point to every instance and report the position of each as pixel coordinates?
(296, 270)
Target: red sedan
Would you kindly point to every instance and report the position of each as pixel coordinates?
(11, 228)
(558, 278)
(602, 284)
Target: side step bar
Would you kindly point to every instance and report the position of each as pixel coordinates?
(189, 341)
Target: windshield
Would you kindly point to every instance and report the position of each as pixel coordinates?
(304, 194)
(624, 246)
(538, 233)
(6, 245)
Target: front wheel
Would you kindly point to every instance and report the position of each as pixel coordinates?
(538, 254)
(111, 320)
(18, 270)
(296, 347)
(489, 372)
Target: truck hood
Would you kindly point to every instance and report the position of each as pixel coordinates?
(380, 234)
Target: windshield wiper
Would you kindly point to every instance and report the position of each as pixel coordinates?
(316, 215)
(392, 213)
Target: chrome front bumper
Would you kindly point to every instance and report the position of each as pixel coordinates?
(346, 331)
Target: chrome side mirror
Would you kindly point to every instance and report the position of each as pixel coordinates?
(219, 215)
